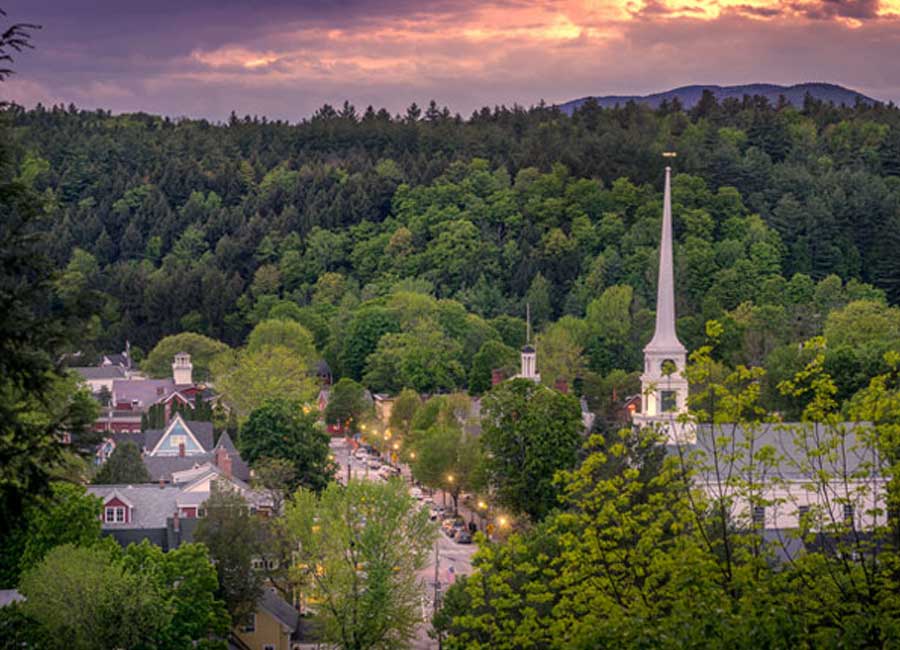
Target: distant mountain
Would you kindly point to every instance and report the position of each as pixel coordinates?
(690, 95)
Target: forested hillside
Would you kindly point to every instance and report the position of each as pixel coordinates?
(341, 221)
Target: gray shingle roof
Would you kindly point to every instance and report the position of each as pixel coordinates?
(162, 467)
(793, 443)
(100, 372)
(281, 610)
(143, 392)
(152, 504)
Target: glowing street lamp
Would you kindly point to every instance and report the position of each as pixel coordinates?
(482, 505)
(503, 521)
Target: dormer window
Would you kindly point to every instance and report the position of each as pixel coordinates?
(115, 515)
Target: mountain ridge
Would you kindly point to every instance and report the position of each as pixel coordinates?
(690, 95)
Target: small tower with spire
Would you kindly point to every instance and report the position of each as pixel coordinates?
(529, 355)
(664, 388)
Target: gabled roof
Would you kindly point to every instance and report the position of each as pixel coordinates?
(200, 433)
(151, 504)
(164, 467)
(280, 610)
(115, 494)
(226, 443)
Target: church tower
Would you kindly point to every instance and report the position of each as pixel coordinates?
(528, 368)
(664, 389)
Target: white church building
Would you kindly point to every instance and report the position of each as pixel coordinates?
(829, 475)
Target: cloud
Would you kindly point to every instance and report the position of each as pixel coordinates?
(285, 59)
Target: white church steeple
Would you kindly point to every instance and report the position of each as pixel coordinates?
(664, 389)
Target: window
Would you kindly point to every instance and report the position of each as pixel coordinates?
(668, 401)
(201, 512)
(759, 515)
(272, 564)
(668, 367)
(268, 646)
(177, 441)
(258, 564)
(115, 515)
(848, 513)
(802, 513)
(249, 624)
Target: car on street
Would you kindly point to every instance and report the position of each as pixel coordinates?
(463, 537)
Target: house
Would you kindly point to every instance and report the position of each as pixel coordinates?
(182, 445)
(131, 395)
(99, 378)
(273, 626)
(167, 513)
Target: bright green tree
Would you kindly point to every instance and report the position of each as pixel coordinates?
(282, 333)
(85, 599)
(247, 379)
(361, 548)
(448, 458)
(187, 585)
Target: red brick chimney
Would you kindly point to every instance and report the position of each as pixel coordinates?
(562, 385)
(181, 449)
(496, 376)
(223, 461)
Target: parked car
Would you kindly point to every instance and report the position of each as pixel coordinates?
(463, 537)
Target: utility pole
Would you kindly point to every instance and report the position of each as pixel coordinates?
(437, 589)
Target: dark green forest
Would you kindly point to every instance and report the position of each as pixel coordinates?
(783, 217)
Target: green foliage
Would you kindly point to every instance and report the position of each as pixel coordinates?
(529, 433)
(282, 333)
(233, 536)
(423, 359)
(201, 348)
(285, 429)
(347, 404)
(86, 600)
(124, 466)
(68, 515)
(248, 378)
(186, 582)
(361, 549)
(448, 458)
(493, 355)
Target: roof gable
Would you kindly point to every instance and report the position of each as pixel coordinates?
(176, 434)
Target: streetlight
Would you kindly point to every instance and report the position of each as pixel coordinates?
(503, 521)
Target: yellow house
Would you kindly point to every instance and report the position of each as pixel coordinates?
(271, 627)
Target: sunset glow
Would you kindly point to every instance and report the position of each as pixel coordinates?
(463, 54)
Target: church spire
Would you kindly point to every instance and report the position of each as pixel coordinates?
(665, 338)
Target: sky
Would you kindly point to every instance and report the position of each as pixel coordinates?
(284, 59)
